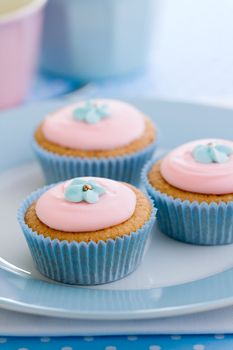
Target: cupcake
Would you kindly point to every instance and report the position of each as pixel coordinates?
(103, 138)
(87, 230)
(192, 187)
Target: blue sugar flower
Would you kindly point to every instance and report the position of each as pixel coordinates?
(83, 190)
(91, 113)
(212, 153)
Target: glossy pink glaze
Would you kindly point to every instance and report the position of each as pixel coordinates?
(181, 170)
(124, 125)
(115, 206)
(19, 47)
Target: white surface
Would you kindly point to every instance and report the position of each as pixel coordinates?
(159, 268)
(14, 323)
(192, 54)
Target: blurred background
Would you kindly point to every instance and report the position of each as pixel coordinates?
(154, 48)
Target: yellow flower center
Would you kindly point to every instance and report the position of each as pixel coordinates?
(87, 187)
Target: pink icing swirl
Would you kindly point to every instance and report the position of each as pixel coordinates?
(181, 170)
(115, 206)
(123, 125)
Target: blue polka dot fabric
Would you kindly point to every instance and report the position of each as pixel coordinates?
(172, 342)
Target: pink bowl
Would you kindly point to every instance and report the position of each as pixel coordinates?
(20, 31)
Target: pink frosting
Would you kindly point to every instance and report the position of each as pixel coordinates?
(181, 170)
(124, 125)
(115, 206)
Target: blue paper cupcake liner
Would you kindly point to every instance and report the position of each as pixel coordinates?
(123, 168)
(84, 263)
(191, 222)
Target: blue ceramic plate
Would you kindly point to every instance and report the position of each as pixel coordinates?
(174, 278)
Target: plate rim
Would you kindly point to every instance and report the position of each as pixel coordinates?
(171, 311)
